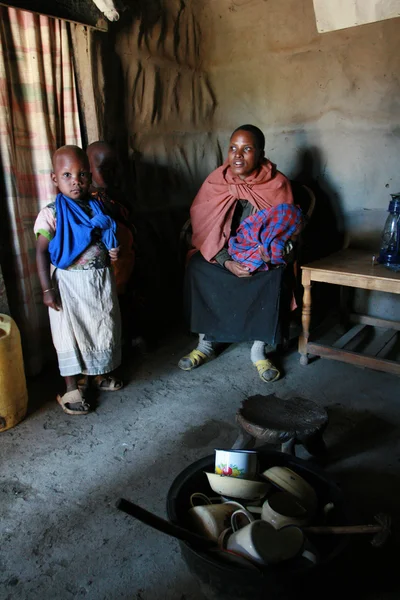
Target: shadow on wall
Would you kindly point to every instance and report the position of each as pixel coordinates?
(158, 109)
(325, 232)
(164, 196)
(114, 125)
(158, 277)
(166, 182)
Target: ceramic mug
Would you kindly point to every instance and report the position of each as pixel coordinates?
(236, 463)
(246, 537)
(200, 499)
(211, 519)
(282, 509)
(307, 550)
(256, 541)
(240, 518)
(262, 544)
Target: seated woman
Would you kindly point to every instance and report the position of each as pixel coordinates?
(225, 300)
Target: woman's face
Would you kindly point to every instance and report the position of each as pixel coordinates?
(243, 155)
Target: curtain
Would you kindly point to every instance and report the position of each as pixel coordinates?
(38, 113)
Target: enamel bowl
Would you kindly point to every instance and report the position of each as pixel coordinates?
(292, 483)
(233, 487)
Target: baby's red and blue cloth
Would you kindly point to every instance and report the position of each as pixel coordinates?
(271, 228)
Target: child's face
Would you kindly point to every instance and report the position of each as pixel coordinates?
(104, 166)
(72, 175)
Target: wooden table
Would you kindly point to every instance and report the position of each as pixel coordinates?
(351, 268)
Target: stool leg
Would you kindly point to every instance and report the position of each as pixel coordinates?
(315, 445)
(289, 447)
(244, 441)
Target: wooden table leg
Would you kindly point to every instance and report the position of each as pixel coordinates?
(305, 317)
(344, 308)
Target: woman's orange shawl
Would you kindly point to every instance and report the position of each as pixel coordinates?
(212, 210)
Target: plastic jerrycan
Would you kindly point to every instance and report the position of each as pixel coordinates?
(13, 392)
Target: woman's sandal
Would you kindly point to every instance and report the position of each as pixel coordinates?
(194, 359)
(266, 366)
(73, 398)
(102, 383)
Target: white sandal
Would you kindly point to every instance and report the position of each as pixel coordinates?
(73, 397)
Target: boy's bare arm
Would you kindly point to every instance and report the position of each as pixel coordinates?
(43, 267)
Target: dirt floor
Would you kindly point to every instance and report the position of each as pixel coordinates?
(61, 535)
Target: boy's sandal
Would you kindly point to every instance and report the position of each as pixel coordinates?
(73, 399)
(101, 383)
(107, 384)
(194, 359)
(265, 367)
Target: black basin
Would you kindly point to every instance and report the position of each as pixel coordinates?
(279, 581)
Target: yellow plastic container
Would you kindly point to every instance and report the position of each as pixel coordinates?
(13, 392)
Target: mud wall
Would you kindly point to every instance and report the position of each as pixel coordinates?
(169, 104)
(328, 104)
(160, 114)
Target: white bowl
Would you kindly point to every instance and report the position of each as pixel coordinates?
(234, 487)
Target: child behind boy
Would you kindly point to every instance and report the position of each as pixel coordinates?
(104, 167)
(75, 242)
(106, 186)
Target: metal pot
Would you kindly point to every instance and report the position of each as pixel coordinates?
(278, 581)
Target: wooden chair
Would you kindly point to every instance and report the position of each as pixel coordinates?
(304, 198)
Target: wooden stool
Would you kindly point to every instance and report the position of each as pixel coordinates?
(272, 420)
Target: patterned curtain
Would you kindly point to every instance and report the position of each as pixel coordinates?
(38, 113)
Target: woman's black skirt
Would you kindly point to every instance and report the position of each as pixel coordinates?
(227, 308)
